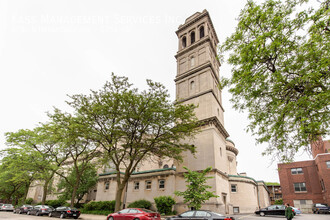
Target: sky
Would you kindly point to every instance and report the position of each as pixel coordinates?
(51, 49)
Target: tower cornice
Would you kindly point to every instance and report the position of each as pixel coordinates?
(197, 44)
(200, 94)
(215, 121)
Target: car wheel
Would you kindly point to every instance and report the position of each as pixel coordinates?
(110, 218)
(262, 214)
(136, 219)
(37, 213)
(75, 217)
(19, 212)
(62, 215)
(28, 213)
(50, 214)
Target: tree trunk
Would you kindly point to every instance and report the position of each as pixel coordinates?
(45, 189)
(73, 196)
(119, 193)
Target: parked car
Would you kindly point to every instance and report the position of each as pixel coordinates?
(22, 209)
(134, 213)
(7, 207)
(200, 214)
(40, 210)
(297, 211)
(1, 205)
(65, 212)
(272, 210)
(320, 208)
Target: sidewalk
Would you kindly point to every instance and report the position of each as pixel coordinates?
(92, 217)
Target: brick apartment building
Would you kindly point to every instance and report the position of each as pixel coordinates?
(275, 192)
(306, 182)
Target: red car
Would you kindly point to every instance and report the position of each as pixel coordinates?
(134, 214)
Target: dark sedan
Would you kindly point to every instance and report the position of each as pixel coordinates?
(134, 213)
(200, 215)
(65, 212)
(273, 210)
(40, 210)
(22, 209)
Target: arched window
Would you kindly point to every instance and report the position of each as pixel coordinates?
(165, 166)
(192, 85)
(184, 42)
(192, 37)
(192, 61)
(201, 32)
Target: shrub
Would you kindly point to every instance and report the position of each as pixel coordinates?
(164, 204)
(108, 206)
(55, 203)
(140, 204)
(29, 201)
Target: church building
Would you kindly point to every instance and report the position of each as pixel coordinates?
(197, 81)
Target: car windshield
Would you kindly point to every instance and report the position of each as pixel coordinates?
(214, 213)
(147, 210)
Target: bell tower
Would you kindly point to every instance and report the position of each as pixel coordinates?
(197, 82)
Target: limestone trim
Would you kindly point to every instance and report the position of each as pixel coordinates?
(197, 18)
(200, 94)
(197, 44)
(206, 65)
(215, 121)
(215, 170)
(232, 149)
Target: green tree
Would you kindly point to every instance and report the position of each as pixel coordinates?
(79, 148)
(164, 204)
(44, 142)
(87, 180)
(131, 126)
(17, 171)
(280, 73)
(197, 190)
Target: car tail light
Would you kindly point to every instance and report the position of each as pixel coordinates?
(25, 208)
(78, 211)
(68, 211)
(44, 209)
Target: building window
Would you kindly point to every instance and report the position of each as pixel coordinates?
(201, 32)
(299, 187)
(165, 166)
(236, 210)
(296, 171)
(220, 152)
(136, 185)
(192, 85)
(148, 184)
(302, 202)
(233, 188)
(161, 184)
(192, 37)
(192, 61)
(328, 164)
(106, 185)
(184, 42)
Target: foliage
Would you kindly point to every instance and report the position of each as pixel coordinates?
(272, 184)
(280, 73)
(100, 206)
(55, 203)
(28, 201)
(87, 180)
(164, 204)
(279, 202)
(96, 212)
(142, 203)
(197, 190)
(132, 126)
